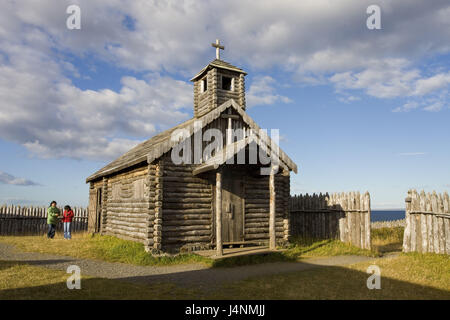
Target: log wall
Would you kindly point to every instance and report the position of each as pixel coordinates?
(343, 216)
(257, 197)
(187, 202)
(17, 220)
(126, 202)
(427, 223)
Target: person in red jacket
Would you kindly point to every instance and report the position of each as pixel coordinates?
(67, 221)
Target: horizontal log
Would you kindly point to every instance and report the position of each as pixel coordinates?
(179, 217)
(128, 210)
(128, 215)
(115, 227)
(187, 212)
(251, 225)
(126, 220)
(193, 180)
(126, 236)
(186, 228)
(185, 222)
(278, 228)
(172, 205)
(141, 224)
(127, 203)
(192, 201)
(188, 194)
(172, 185)
(254, 236)
(173, 240)
(177, 234)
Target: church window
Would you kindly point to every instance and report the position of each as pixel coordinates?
(226, 83)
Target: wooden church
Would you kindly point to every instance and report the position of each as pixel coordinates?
(208, 200)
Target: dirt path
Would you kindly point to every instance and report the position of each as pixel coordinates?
(185, 275)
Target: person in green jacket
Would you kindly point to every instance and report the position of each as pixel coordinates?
(52, 219)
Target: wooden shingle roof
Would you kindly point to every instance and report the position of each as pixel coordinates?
(155, 147)
(216, 63)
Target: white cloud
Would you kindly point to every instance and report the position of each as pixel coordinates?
(7, 178)
(428, 85)
(348, 98)
(408, 106)
(437, 106)
(388, 78)
(313, 41)
(262, 92)
(42, 110)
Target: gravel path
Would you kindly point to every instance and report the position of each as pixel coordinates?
(185, 275)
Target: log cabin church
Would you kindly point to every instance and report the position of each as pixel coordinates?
(209, 202)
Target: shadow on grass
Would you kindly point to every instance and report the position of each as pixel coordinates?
(293, 281)
(252, 259)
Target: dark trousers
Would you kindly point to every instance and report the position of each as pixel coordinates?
(51, 231)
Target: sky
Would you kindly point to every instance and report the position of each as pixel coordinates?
(358, 109)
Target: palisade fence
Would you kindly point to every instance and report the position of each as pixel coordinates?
(17, 220)
(343, 216)
(427, 222)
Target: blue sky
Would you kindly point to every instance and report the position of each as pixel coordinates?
(357, 109)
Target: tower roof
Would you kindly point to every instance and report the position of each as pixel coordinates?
(220, 64)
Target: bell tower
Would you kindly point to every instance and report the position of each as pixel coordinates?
(216, 83)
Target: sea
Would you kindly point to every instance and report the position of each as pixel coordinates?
(386, 215)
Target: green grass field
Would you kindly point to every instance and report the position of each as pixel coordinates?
(387, 239)
(20, 281)
(111, 249)
(406, 276)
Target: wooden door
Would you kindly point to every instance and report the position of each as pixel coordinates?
(232, 206)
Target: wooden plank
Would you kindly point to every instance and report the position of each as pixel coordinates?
(423, 227)
(447, 235)
(272, 235)
(219, 247)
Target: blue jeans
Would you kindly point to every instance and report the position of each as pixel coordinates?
(51, 231)
(67, 234)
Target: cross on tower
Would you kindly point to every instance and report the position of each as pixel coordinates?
(218, 48)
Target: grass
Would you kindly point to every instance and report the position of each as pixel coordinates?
(408, 276)
(104, 248)
(307, 247)
(299, 248)
(111, 249)
(20, 281)
(387, 239)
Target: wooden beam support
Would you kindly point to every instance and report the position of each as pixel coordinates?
(272, 234)
(230, 116)
(205, 168)
(219, 214)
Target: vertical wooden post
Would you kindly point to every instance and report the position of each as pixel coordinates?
(272, 235)
(406, 234)
(157, 223)
(219, 213)
(104, 204)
